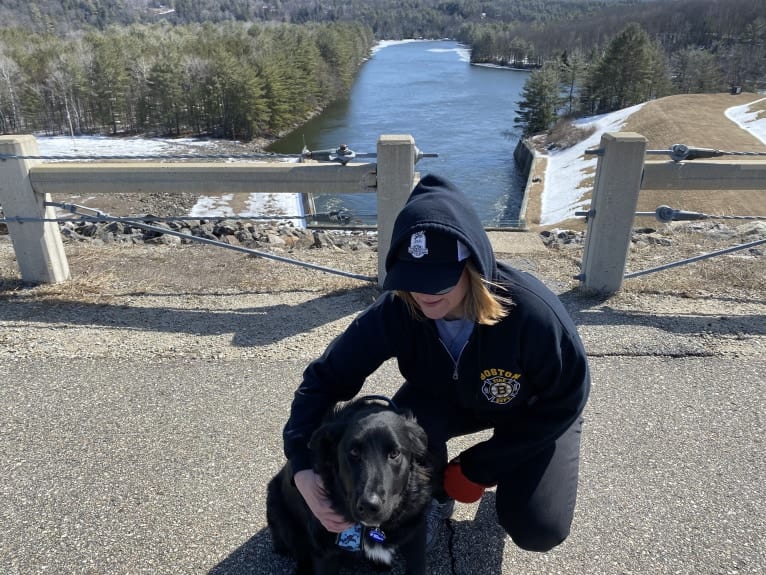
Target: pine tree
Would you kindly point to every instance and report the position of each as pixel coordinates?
(165, 94)
(539, 108)
(626, 74)
(109, 81)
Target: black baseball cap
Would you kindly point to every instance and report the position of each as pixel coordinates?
(428, 262)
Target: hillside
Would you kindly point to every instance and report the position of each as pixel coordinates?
(697, 120)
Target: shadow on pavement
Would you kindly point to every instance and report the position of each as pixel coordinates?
(254, 557)
(252, 326)
(463, 547)
(591, 311)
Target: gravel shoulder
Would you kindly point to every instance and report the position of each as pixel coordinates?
(182, 302)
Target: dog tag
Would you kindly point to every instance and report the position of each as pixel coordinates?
(350, 539)
(376, 535)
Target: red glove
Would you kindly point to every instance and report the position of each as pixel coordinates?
(459, 487)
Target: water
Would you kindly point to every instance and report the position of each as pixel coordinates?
(429, 90)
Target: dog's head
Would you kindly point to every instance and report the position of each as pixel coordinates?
(370, 460)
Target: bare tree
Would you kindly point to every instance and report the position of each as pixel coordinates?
(10, 119)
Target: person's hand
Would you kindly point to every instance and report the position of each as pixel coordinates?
(310, 486)
(459, 487)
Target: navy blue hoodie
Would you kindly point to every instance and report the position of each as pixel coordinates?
(527, 376)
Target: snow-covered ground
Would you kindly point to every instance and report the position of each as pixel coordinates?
(567, 169)
(747, 120)
(207, 206)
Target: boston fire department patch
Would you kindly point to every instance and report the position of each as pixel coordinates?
(499, 385)
(418, 247)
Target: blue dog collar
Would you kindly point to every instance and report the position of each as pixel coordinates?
(382, 398)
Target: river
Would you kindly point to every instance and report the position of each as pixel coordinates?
(430, 90)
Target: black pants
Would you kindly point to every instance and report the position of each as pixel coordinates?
(535, 503)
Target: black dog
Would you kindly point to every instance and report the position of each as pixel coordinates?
(373, 464)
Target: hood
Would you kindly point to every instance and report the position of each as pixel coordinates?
(435, 204)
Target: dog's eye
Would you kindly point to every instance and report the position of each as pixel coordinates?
(354, 453)
(394, 454)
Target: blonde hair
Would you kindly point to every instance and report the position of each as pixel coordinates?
(481, 304)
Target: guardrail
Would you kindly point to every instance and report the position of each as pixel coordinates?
(26, 185)
(621, 173)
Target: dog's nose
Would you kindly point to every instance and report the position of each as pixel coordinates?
(369, 505)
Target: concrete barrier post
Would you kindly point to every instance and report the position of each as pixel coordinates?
(613, 208)
(38, 246)
(396, 178)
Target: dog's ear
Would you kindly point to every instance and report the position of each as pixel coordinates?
(324, 442)
(417, 437)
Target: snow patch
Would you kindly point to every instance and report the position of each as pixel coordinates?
(748, 120)
(566, 169)
(257, 205)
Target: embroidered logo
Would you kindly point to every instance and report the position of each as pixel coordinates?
(418, 247)
(499, 385)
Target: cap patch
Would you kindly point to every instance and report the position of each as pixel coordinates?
(418, 247)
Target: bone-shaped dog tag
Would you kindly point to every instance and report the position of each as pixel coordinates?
(350, 539)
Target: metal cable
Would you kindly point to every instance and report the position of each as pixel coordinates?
(667, 214)
(258, 253)
(720, 217)
(127, 220)
(101, 216)
(695, 259)
(680, 152)
(341, 214)
(152, 157)
(330, 155)
(76, 208)
(344, 217)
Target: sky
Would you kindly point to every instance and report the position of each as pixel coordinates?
(562, 196)
(567, 169)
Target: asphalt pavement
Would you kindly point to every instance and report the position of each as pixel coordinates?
(160, 467)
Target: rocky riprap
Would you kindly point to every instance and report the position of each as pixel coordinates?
(246, 233)
(666, 235)
(285, 236)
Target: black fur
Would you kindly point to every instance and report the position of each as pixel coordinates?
(373, 463)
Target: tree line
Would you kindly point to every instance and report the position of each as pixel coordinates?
(719, 47)
(232, 80)
(204, 66)
(631, 70)
(389, 19)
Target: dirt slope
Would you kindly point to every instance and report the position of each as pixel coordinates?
(695, 120)
(699, 120)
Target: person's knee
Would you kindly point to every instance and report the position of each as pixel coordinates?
(535, 535)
